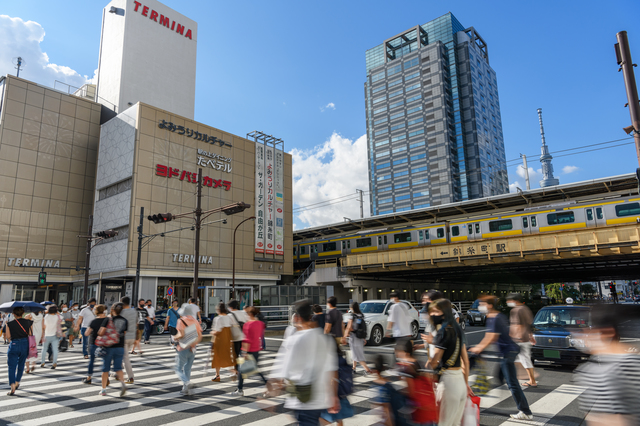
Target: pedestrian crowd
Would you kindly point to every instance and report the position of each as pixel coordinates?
(317, 363)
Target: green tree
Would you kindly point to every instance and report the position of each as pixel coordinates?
(554, 291)
(588, 289)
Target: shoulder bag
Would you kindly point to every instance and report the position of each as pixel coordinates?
(33, 348)
(110, 336)
(236, 329)
(190, 335)
(304, 392)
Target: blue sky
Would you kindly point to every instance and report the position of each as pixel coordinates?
(275, 66)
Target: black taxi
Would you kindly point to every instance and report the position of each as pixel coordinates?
(553, 327)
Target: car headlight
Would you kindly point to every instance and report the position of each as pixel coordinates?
(576, 343)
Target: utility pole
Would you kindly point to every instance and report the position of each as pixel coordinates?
(526, 171)
(136, 286)
(361, 192)
(87, 261)
(623, 57)
(198, 213)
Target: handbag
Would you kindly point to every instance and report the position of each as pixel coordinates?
(302, 392)
(33, 347)
(247, 365)
(190, 335)
(110, 336)
(471, 414)
(59, 332)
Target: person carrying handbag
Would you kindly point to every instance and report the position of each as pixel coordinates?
(111, 339)
(51, 334)
(18, 336)
(251, 345)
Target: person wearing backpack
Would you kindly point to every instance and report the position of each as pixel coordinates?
(239, 317)
(111, 339)
(91, 334)
(345, 388)
(357, 331)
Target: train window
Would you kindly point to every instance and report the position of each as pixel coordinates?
(363, 242)
(455, 231)
(629, 209)
(344, 245)
(315, 248)
(589, 214)
(329, 247)
(560, 218)
(500, 225)
(477, 228)
(599, 213)
(295, 251)
(303, 249)
(379, 241)
(525, 222)
(470, 229)
(385, 239)
(420, 235)
(426, 234)
(440, 233)
(402, 238)
(534, 223)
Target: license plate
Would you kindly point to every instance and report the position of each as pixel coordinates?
(551, 354)
(478, 319)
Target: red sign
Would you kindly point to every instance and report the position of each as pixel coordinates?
(279, 210)
(170, 291)
(164, 20)
(192, 177)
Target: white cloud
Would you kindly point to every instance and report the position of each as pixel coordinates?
(534, 175)
(513, 187)
(569, 169)
(332, 170)
(23, 38)
(330, 105)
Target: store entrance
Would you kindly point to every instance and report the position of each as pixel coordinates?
(181, 291)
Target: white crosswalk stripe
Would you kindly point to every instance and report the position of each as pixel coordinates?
(58, 396)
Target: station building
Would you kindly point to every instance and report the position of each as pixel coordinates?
(109, 150)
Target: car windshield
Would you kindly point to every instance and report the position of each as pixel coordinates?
(562, 317)
(372, 307)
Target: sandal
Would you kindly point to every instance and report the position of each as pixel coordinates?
(133, 353)
(529, 385)
(216, 379)
(86, 357)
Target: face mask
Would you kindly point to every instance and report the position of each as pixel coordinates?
(511, 304)
(64, 309)
(437, 319)
(75, 308)
(91, 306)
(483, 309)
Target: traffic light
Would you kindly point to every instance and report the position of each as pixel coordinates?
(107, 234)
(237, 208)
(42, 278)
(160, 217)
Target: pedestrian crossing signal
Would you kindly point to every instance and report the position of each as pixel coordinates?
(42, 278)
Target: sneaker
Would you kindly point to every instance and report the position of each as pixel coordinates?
(365, 374)
(123, 390)
(522, 416)
(86, 381)
(237, 392)
(129, 382)
(185, 390)
(103, 392)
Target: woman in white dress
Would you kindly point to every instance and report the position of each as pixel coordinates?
(36, 317)
(355, 343)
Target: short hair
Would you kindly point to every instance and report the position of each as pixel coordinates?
(317, 309)
(434, 295)
(74, 304)
(192, 300)
(149, 300)
(515, 296)
(233, 304)
(99, 309)
(490, 300)
(406, 346)
(141, 300)
(53, 309)
(126, 300)
(117, 308)
(93, 299)
(221, 307)
(378, 364)
(175, 301)
(332, 300)
(394, 294)
(303, 309)
(18, 311)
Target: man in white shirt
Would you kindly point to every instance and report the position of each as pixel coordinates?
(83, 322)
(151, 320)
(193, 301)
(398, 322)
(240, 317)
(311, 359)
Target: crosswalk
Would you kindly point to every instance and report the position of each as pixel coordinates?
(58, 397)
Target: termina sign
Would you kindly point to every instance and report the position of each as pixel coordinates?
(164, 20)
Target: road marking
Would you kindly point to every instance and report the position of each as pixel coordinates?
(547, 407)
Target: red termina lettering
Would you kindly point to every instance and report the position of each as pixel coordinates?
(164, 21)
(154, 16)
(180, 29)
(188, 34)
(137, 6)
(145, 9)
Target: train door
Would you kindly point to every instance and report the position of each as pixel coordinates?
(473, 229)
(590, 217)
(346, 246)
(533, 225)
(526, 225)
(382, 242)
(601, 220)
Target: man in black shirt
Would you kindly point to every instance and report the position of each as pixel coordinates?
(143, 316)
(333, 320)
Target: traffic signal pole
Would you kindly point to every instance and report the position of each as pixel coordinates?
(87, 262)
(136, 286)
(198, 214)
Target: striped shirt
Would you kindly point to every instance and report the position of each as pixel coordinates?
(611, 382)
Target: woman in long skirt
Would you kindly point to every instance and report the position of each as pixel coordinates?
(356, 344)
(222, 351)
(36, 317)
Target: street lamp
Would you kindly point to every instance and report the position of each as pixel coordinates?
(233, 267)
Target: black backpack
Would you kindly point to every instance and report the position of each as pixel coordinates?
(359, 326)
(240, 323)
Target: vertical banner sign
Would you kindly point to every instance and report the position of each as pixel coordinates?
(270, 210)
(260, 198)
(279, 179)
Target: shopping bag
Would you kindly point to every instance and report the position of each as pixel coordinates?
(481, 385)
(33, 347)
(247, 365)
(471, 415)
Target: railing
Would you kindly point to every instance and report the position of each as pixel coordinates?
(306, 274)
(101, 100)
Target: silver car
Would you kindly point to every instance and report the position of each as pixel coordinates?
(376, 313)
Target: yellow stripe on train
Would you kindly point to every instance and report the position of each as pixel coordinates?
(329, 253)
(552, 228)
(632, 219)
(361, 249)
(401, 245)
(502, 233)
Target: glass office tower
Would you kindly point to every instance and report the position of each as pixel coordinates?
(434, 129)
